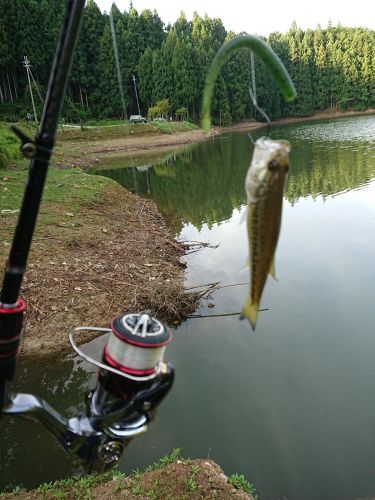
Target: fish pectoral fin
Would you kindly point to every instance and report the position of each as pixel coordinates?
(272, 271)
(247, 263)
(250, 311)
(243, 217)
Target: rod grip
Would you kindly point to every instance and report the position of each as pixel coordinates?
(11, 321)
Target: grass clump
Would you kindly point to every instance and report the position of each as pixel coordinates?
(174, 127)
(77, 487)
(239, 482)
(10, 152)
(191, 484)
(164, 461)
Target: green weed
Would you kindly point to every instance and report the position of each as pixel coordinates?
(191, 485)
(17, 490)
(166, 460)
(239, 482)
(195, 469)
(77, 487)
(10, 152)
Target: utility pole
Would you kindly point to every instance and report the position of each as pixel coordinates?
(26, 64)
(136, 94)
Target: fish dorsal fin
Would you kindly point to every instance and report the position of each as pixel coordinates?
(272, 271)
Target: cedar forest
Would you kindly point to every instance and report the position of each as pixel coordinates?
(332, 67)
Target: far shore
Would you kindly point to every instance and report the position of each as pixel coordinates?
(97, 151)
(319, 115)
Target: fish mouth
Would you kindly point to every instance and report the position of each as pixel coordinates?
(267, 150)
(269, 145)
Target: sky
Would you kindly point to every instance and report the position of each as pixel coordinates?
(262, 17)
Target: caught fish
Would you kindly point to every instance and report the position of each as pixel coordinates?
(264, 186)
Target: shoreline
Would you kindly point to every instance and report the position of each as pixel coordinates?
(320, 115)
(97, 150)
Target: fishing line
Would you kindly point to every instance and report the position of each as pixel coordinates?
(253, 97)
(251, 138)
(117, 61)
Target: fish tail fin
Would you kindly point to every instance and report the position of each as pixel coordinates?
(250, 312)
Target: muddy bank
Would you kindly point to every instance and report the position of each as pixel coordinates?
(87, 148)
(110, 255)
(181, 479)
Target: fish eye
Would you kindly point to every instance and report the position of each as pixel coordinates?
(273, 165)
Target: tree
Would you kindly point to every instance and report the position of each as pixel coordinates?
(163, 106)
(145, 76)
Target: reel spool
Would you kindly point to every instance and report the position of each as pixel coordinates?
(137, 344)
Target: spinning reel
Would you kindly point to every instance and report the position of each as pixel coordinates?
(132, 380)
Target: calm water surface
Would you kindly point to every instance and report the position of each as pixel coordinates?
(291, 406)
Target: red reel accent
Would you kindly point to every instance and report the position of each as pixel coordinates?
(19, 307)
(125, 369)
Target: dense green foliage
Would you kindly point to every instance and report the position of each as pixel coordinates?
(332, 67)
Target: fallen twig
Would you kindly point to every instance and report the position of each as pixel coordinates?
(197, 245)
(220, 315)
(210, 285)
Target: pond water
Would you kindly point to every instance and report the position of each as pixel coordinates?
(291, 405)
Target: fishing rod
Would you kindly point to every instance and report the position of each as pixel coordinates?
(132, 375)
